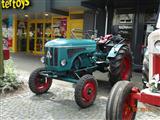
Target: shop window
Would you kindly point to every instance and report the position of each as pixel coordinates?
(7, 29)
(48, 32)
(31, 36)
(22, 35)
(125, 25)
(59, 28)
(39, 41)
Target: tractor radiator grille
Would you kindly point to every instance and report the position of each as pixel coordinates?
(51, 59)
(51, 56)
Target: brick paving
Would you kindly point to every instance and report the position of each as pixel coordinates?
(59, 104)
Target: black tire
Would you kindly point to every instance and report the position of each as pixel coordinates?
(118, 96)
(76, 64)
(145, 69)
(39, 84)
(109, 101)
(82, 89)
(118, 66)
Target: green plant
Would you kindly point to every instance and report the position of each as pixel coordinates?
(9, 81)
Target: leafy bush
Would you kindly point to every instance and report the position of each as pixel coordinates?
(9, 81)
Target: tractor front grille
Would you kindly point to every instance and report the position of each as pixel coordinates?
(51, 56)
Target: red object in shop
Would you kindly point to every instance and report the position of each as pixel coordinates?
(9, 42)
(6, 54)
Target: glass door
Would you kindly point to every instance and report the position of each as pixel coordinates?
(21, 35)
(48, 32)
(39, 40)
(59, 27)
(32, 29)
(39, 34)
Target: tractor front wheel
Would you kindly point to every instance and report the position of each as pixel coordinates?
(39, 84)
(86, 91)
(121, 66)
(121, 105)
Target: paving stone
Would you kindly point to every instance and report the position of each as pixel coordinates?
(58, 104)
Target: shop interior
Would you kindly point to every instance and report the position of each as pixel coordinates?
(33, 31)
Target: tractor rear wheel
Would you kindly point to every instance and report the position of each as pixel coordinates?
(86, 91)
(39, 84)
(121, 66)
(120, 104)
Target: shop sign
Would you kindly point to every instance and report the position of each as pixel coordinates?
(15, 4)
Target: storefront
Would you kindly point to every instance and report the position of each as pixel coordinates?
(136, 19)
(32, 34)
(33, 27)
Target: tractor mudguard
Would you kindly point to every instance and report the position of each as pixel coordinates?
(113, 52)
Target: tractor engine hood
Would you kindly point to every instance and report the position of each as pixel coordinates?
(61, 42)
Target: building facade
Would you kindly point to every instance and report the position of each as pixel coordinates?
(28, 30)
(135, 19)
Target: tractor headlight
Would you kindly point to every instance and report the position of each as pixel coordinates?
(42, 60)
(157, 45)
(63, 62)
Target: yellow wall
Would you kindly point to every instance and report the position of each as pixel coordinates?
(14, 42)
(74, 23)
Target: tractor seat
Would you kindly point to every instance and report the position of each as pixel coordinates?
(104, 39)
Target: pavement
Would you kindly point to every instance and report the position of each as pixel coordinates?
(58, 103)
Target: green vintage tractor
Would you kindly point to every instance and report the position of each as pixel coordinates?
(74, 60)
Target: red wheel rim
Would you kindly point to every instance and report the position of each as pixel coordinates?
(89, 92)
(128, 109)
(125, 68)
(42, 83)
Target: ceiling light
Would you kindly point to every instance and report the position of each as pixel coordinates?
(26, 15)
(46, 14)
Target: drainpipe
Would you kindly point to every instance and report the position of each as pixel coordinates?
(106, 26)
(95, 23)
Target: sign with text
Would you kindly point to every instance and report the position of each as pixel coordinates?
(15, 4)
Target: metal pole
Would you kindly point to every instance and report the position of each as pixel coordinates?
(95, 23)
(1, 45)
(106, 26)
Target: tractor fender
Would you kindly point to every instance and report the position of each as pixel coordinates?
(113, 52)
